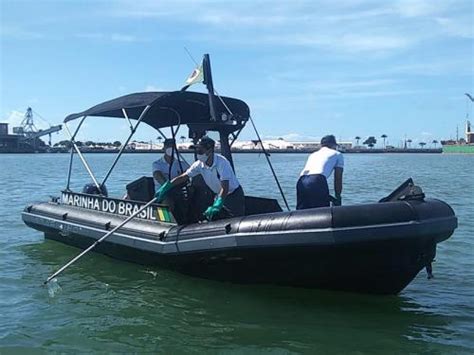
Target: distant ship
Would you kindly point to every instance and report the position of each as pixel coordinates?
(462, 145)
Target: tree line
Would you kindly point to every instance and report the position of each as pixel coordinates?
(68, 144)
(371, 141)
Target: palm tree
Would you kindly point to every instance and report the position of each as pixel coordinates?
(357, 138)
(409, 143)
(384, 137)
(183, 138)
(370, 141)
(422, 144)
(435, 142)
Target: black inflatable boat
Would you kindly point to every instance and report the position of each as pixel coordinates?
(373, 248)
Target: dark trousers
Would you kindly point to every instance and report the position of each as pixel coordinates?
(312, 191)
(203, 197)
(234, 203)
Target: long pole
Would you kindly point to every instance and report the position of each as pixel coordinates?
(270, 164)
(97, 242)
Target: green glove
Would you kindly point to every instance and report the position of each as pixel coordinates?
(162, 191)
(214, 210)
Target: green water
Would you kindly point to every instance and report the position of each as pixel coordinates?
(111, 306)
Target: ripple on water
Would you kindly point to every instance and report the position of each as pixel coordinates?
(112, 306)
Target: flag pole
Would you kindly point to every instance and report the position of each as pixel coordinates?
(209, 85)
(223, 134)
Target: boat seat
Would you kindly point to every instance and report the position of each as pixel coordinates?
(142, 189)
(258, 205)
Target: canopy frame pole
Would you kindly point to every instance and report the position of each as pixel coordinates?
(223, 102)
(180, 156)
(81, 156)
(161, 133)
(175, 148)
(133, 129)
(235, 136)
(225, 147)
(128, 119)
(270, 164)
(72, 154)
(70, 169)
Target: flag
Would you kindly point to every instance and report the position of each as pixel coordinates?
(197, 76)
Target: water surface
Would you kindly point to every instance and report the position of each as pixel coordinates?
(110, 305)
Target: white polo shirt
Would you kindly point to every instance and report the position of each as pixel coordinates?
(323, 162)
(221, 170)
(163, 167)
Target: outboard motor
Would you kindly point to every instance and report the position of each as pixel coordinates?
(406, 191)
(91, 189)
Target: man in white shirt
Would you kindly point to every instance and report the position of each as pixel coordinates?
(161, 167)
(219, 177)
(312, 189)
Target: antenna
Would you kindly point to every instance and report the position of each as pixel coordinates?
(191, 56)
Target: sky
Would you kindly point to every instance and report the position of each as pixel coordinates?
(305, 68)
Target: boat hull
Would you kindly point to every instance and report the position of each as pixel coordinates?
(458, 148)
(340, 248)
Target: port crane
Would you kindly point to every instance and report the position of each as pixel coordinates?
(29, 130)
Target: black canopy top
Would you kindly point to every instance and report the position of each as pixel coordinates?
(173, 108)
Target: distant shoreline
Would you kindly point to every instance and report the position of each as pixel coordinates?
(240, 151)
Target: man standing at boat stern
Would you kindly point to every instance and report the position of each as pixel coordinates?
(220, 195)
(312, 188)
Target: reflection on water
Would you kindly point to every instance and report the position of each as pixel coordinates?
(155, 306)
(109, 305)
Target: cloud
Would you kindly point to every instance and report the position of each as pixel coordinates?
(14, 119)
(375, 93)
(112, 37)
(117, 37)
(348, 27)
(19, 33)
(459, 27)
(367, 26)
(417, 8)
(353, 85)
(293, 137)
(440, 66)
(32, 101)
(153, 88)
